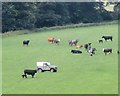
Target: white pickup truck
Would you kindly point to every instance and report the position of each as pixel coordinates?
(46, 66)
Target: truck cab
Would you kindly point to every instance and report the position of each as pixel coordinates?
(46, 66)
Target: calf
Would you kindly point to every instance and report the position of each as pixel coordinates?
(78, 46)
(107, 50)
(76, 51)
(100, 41)
(29, 72)
(24, 76)
(107, 38)
(26, 42)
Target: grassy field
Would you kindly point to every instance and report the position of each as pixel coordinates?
(77, 74)
(0, 65)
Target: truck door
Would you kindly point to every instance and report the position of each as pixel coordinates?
(46, 66)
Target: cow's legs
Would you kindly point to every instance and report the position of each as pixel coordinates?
(105, 53)
(33, 75)
(25, 76)
(22, 76)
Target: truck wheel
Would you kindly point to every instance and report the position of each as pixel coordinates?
(51, 70)
(40, 70)
(55, 70)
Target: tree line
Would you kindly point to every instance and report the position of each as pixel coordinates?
(28, 15)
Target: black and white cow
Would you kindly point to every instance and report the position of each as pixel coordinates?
(26, 42)
(107, 50)
(91, 51)
(29, 72)
(107, 38)
(76, 51)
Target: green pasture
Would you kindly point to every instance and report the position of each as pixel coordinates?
(77, 73)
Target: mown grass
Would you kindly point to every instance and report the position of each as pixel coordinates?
(77, 74)
(0, 64)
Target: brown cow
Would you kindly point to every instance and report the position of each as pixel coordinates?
(51, 40)
(78, 46)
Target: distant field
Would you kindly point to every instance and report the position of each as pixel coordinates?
(77, 74)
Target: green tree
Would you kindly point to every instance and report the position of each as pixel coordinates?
(117, 10)
(8, 17)
(26, 15)
(51, 14)
(84, 12)
(18, 15)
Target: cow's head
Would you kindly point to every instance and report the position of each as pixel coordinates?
(103, 36)
(36, 71)
(89, 43)
(28, 40)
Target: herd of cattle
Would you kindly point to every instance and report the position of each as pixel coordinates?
(87, 47)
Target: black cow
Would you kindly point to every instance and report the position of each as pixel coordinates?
(24, 76)
(26, 42)
(118, 52)
(107, 50)
(100, 41)
(87, 46)
(107, 38)
(29, 72)
(76, 51)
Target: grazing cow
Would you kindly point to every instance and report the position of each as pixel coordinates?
(107, 38)
(92, 51)
(76, 51)
(29, 72)
(51, 40)
(73, 42)
(78, 46)
(26, 42)
(100, 41)
(56, 41)
(107, 50)
(87, 46)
